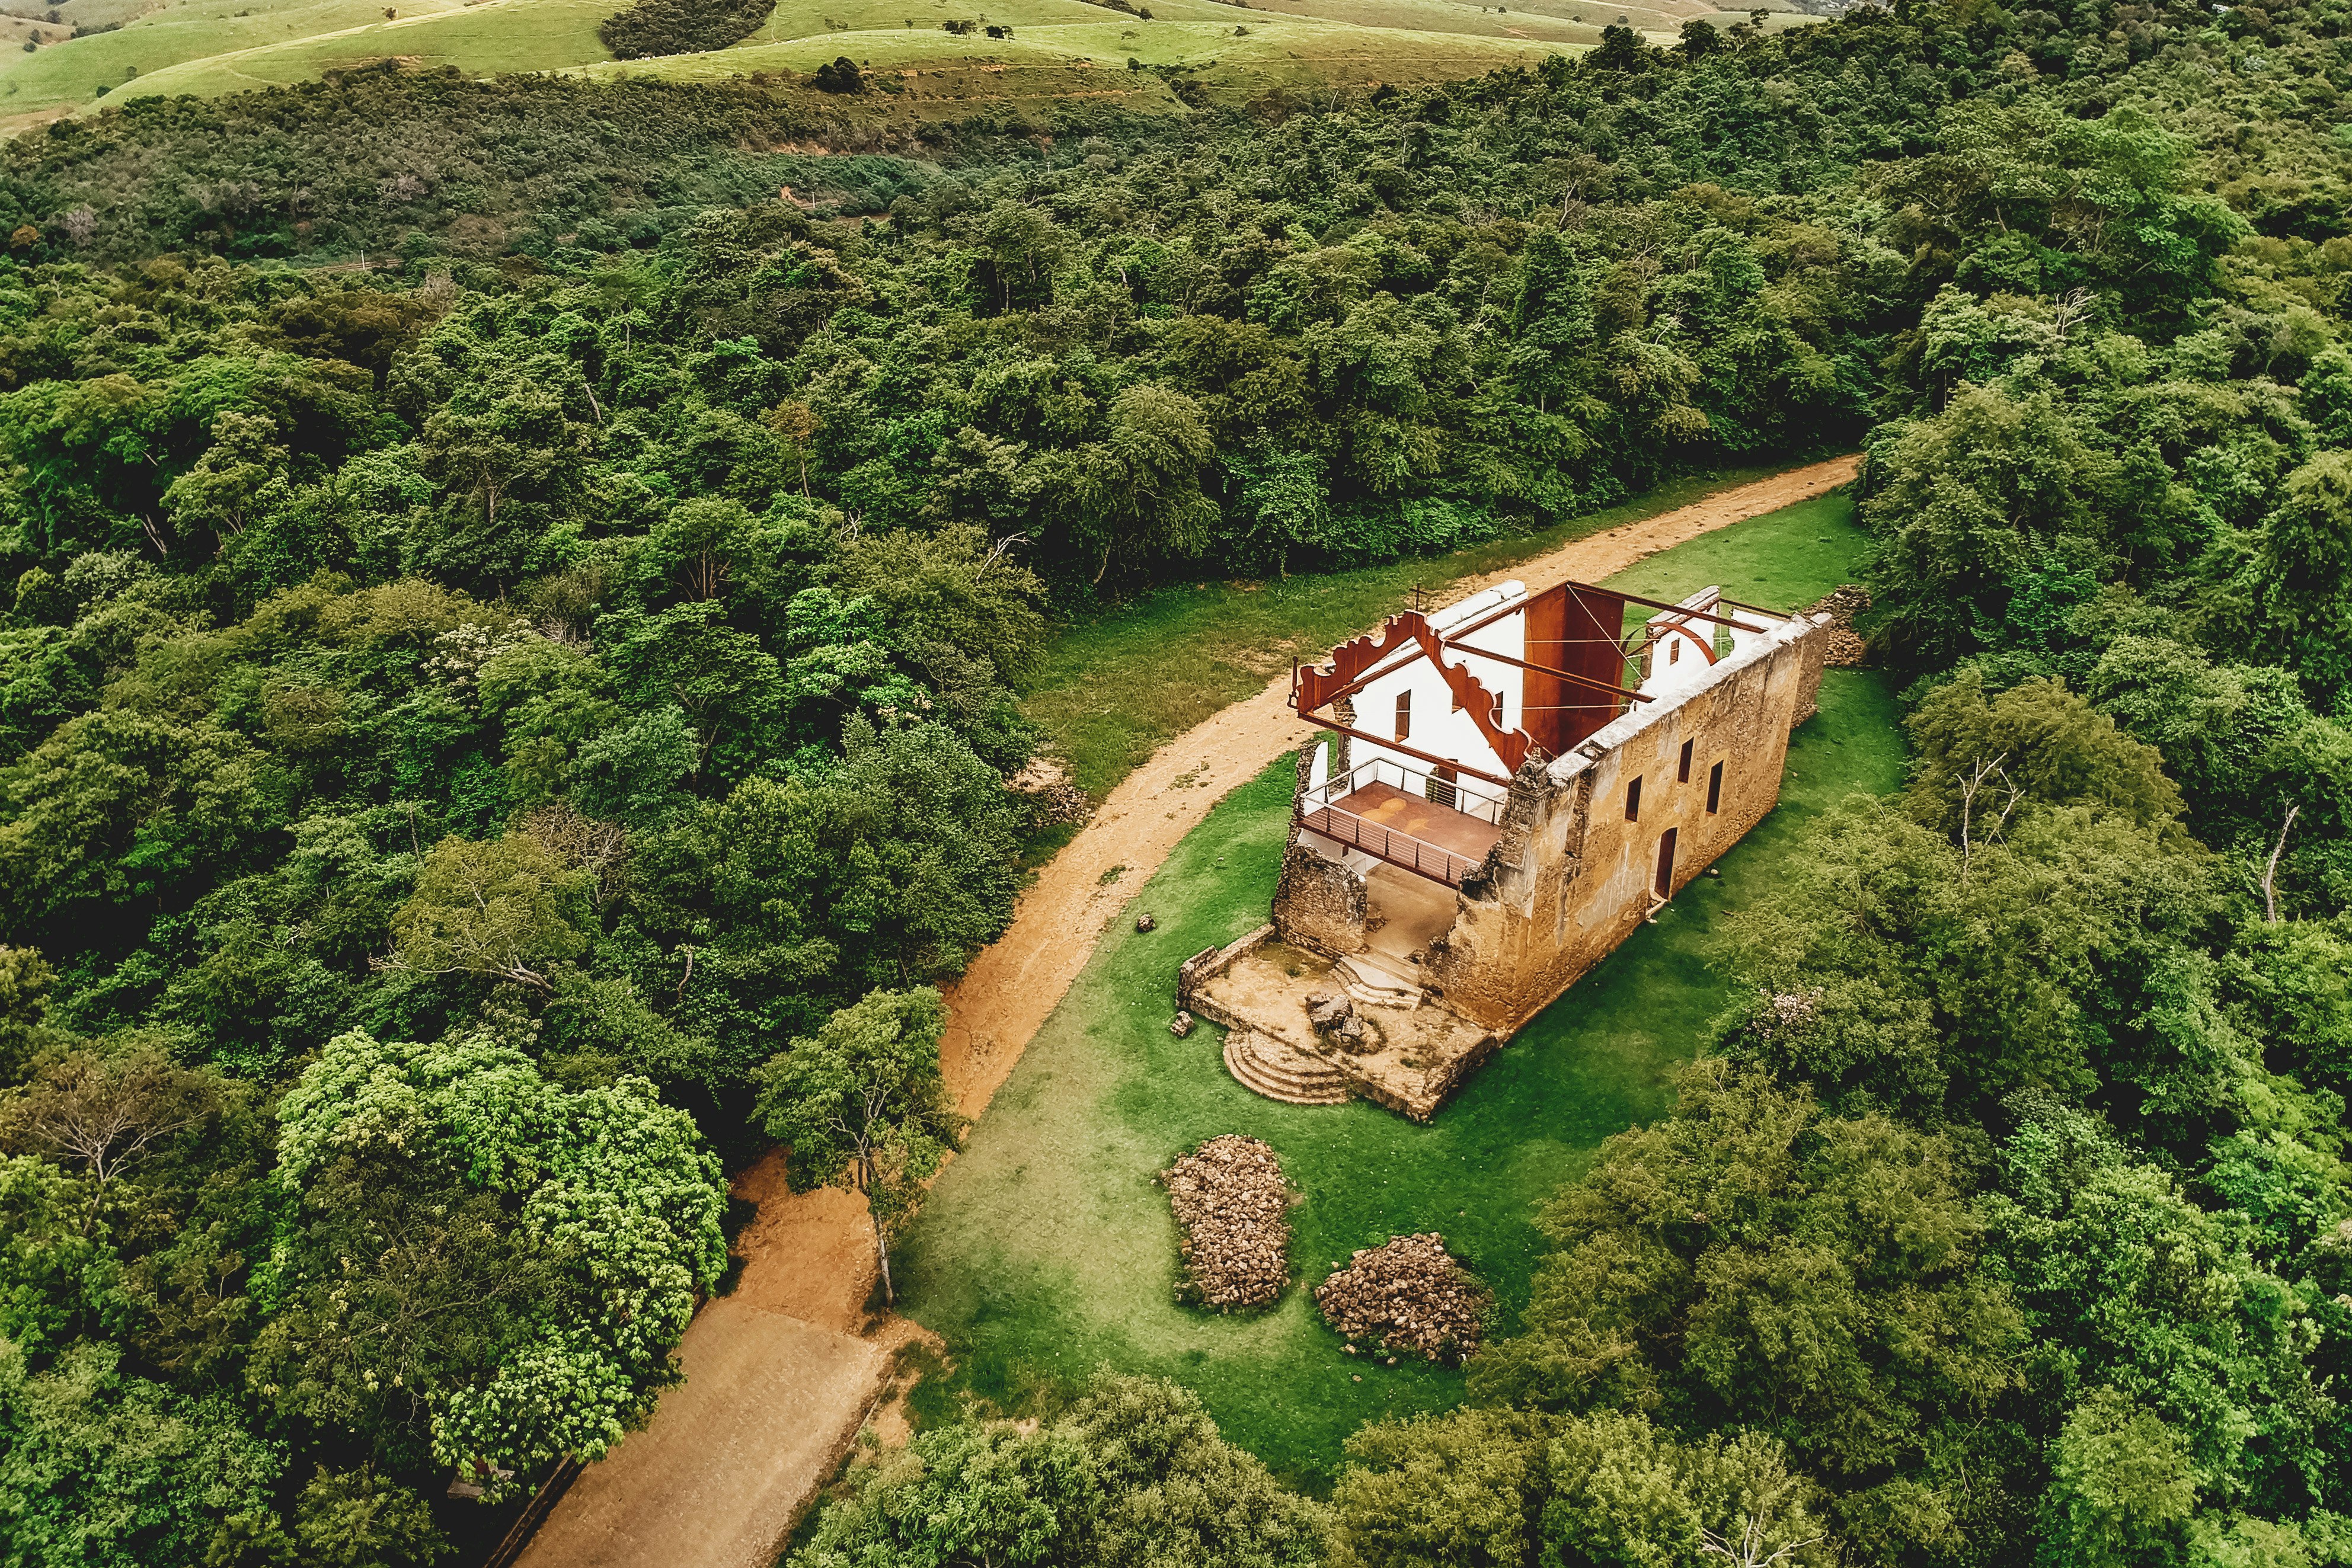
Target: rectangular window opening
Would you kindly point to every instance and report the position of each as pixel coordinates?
(1634, 801)
(1404, 715)
(1681, 769)
(1714, 787)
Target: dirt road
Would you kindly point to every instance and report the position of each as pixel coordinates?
(759, 1386)
(810, 1259)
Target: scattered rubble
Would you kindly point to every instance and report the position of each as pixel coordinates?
(1232, 1207)
(1180, 1025)
(1145, 922)
(1408, 1296)
(1847, 649)
(1335, 1019)
(1046, 792)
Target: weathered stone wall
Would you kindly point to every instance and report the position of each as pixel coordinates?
(1207, 964)
(1318, 904)
(1815, 646)
(1572, 878)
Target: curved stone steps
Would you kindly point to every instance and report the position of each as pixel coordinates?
(1373, 984)
(1268, 1067)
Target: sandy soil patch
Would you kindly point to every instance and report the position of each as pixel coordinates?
(769, 1407)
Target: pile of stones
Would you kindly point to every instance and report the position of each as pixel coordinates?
(1846, 647)
(1409, 1297)
(1232, 1207)
(1334, 1020)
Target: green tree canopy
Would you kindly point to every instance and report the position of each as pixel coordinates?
(1134, 1473)
(1750, 1262)
(500, 911)
(573, 1227)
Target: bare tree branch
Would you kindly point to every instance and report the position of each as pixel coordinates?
(1971, 784)
(105, 1113)
(2270, 872)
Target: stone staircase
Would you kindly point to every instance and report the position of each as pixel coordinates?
(1370, 981)
(1278, 1072)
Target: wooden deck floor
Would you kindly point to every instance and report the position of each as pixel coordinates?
(1405, 830)
(1441, 825)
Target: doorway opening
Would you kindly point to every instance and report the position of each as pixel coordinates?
(1666, 884)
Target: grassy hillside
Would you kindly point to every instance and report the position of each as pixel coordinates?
(212, 47)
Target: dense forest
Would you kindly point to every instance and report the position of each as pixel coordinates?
(462, 716)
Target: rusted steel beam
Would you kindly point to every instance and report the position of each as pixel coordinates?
(1704, 645)
(1586, 680)
(1356, 664)
(1509, 607)
(1694, 615)
(1399, 746)
(1516, 604)
(1358, 661)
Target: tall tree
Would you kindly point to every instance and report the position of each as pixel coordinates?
(862, 1106)
(486, 1269)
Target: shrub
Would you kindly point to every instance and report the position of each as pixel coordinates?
(841, 76)
(652, 28)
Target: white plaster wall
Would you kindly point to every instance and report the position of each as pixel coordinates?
(1438, 728)
(1332, 849)
(1678, 667)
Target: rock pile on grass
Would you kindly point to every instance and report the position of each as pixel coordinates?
(1409, 1297)
(1846, 646)
(1232, 1205)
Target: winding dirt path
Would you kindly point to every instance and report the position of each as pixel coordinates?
(808, 1282)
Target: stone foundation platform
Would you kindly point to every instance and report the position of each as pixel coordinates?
(1414, 1055)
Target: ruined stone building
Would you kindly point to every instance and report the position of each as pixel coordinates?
(1505, 790)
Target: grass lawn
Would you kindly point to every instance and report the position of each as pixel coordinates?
(1785, 560)
(1045, 1251)
(1111, 696)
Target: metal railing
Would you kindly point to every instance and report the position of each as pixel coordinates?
(1469, 796)
(1418, 855)
(1320, 810)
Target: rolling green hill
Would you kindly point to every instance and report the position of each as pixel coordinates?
(208, 48)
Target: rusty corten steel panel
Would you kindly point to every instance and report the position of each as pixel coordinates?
(1576, 628)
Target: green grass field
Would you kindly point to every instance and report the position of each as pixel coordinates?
(1047, 1251)
(213, 47)
(1110, 697)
